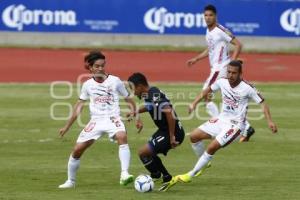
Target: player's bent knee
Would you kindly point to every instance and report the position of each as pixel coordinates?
(198, 135)
(121, 137)
(80, 148)
(145, 151)
(77, 152)
(194, 136)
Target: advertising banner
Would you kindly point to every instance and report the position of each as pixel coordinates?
(249, 18)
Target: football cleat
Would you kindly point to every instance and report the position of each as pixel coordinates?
(67, 184)
(185, 178)
(166, 186)
(125, 180)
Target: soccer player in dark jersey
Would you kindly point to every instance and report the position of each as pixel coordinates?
(170, 133)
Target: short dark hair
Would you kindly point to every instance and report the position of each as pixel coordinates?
(91, 57)
(138, 79)
(237, 63)
(211, 8)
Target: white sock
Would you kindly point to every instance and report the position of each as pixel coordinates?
(73, 166)
(124, 155)
(198, 148)
(203, 160)
(247, 126)
(212, 109)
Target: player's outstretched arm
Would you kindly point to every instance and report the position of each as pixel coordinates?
(268, 117)
(200, 97)
(133, 110)
(76, 111)
(237, 48)
(200, 56)
(132, 114)
(131, 106)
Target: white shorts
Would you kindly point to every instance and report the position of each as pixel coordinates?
(99, 126)
(224, 132)
(215, 75)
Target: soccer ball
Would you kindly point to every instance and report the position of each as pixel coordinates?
(144, 183)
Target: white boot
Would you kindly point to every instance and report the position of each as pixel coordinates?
(67, 184)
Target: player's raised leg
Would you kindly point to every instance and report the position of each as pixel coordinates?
(74, 162)
(222, 140)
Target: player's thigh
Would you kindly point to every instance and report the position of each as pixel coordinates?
(212, 128)
(92, 131)
(120, 137)
(213, 76)
(229, 133)
(145, 150)
(160, 142)
(79, 148)
(116, 130)
(198, 135)
(223, 72)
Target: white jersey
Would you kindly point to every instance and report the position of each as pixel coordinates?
(217, 41)
(104, 97)
(235, 100)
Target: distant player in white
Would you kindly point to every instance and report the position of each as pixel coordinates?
(218, 39)
(231, 121)
(103, 91)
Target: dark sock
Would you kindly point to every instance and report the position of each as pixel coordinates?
(166, 175)
(151, 166)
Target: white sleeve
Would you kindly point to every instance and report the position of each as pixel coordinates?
(216, 85)
(84, 93)
(255, 96)
(226, 35)
(122, 89)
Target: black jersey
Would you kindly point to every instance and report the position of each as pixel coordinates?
(155, 101)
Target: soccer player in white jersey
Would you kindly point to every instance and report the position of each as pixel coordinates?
(103, 91)
(218, 39)
(231, 121)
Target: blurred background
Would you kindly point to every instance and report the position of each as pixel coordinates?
(42, 45)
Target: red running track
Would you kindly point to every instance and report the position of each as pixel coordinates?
(46, 65)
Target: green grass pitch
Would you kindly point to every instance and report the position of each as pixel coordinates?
(33, 158)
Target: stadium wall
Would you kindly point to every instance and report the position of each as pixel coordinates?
(260, 24)
(86, 40)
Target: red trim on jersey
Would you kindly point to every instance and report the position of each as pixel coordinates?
(220, 55)
(248, 83)
(225, 30)
(213, 78)
(251, 85)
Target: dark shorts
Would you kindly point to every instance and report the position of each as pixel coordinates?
(160, 140)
